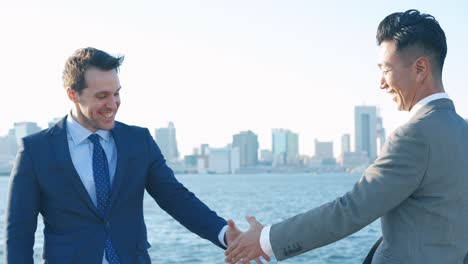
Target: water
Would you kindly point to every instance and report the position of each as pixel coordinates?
(269, 197)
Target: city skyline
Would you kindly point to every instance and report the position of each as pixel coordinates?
(284, 144)
(215, 68)
(168, 142)
(241, 155)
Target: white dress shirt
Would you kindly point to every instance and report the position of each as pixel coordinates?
(426, 100)
(265, 235)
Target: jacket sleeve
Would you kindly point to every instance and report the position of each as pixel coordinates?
(22, 208)
(393, 177)
(179, 202)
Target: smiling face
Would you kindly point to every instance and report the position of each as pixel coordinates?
(399, 76)
(97, 105)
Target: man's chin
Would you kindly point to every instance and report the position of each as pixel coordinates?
(107, 126)
(399, 105)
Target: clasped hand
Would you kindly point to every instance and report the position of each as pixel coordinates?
(244, 246)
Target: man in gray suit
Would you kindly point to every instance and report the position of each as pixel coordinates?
(419, 183)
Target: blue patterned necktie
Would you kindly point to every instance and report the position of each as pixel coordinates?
(102, 184)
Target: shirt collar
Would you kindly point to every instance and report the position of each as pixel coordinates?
(427, 100)
(79, 133)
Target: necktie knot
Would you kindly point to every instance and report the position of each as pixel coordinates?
(94, 138)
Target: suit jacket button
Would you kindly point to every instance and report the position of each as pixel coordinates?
(107, 226)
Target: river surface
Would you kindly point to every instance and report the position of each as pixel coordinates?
(269, 197)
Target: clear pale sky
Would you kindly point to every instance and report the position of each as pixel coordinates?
(215, 68)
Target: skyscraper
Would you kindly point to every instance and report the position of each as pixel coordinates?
(8, 148)
(365, 124)
(204, 149)
(166, 140)
(266, 156)
(224, 160)
(285, 146)
(248, 146)
(292, 152)
(279, 146)
(345, 143)
(22, 129)
(323, 149)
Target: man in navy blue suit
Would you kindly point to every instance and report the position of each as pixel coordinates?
(87, 175)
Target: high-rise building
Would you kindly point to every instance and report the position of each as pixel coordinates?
(166, 140)
(365, 124)
(266, 156)
(323, 150)
(22, 129)
(292, 154)
(279, 146)
(191, 161)
(204, 148)
(247, 142)
(285, 146)
(350, 160)
(345, 143)
(8, 148)
(224, 160)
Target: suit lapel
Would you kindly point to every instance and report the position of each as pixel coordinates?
(123, 148)
(64, 163)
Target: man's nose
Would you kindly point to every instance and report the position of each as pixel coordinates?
(383, 83)
(113, 102)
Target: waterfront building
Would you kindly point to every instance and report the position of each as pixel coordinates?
(166, 140)
(247, 142)
(23, 129)
(351, 160)
(266, 156)
(345, 143)
(285, 146)
(224, 160)
(323, 149)
(365, 124)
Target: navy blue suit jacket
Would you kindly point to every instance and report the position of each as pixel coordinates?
(45, 181)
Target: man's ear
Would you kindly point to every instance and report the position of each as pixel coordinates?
(423, 68)
(72, 95)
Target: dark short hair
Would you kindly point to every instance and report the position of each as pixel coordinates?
(415, 29)
(81, 60)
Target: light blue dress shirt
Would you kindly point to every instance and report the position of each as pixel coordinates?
(81, 152)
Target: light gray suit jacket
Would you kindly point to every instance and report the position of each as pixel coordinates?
(418, 186)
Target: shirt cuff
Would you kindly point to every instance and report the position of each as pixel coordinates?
(221, 235)
(265, 241)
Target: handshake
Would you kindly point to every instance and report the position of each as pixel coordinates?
(244, 246)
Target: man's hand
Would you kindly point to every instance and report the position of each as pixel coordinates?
(247, 245)
(232, 232)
